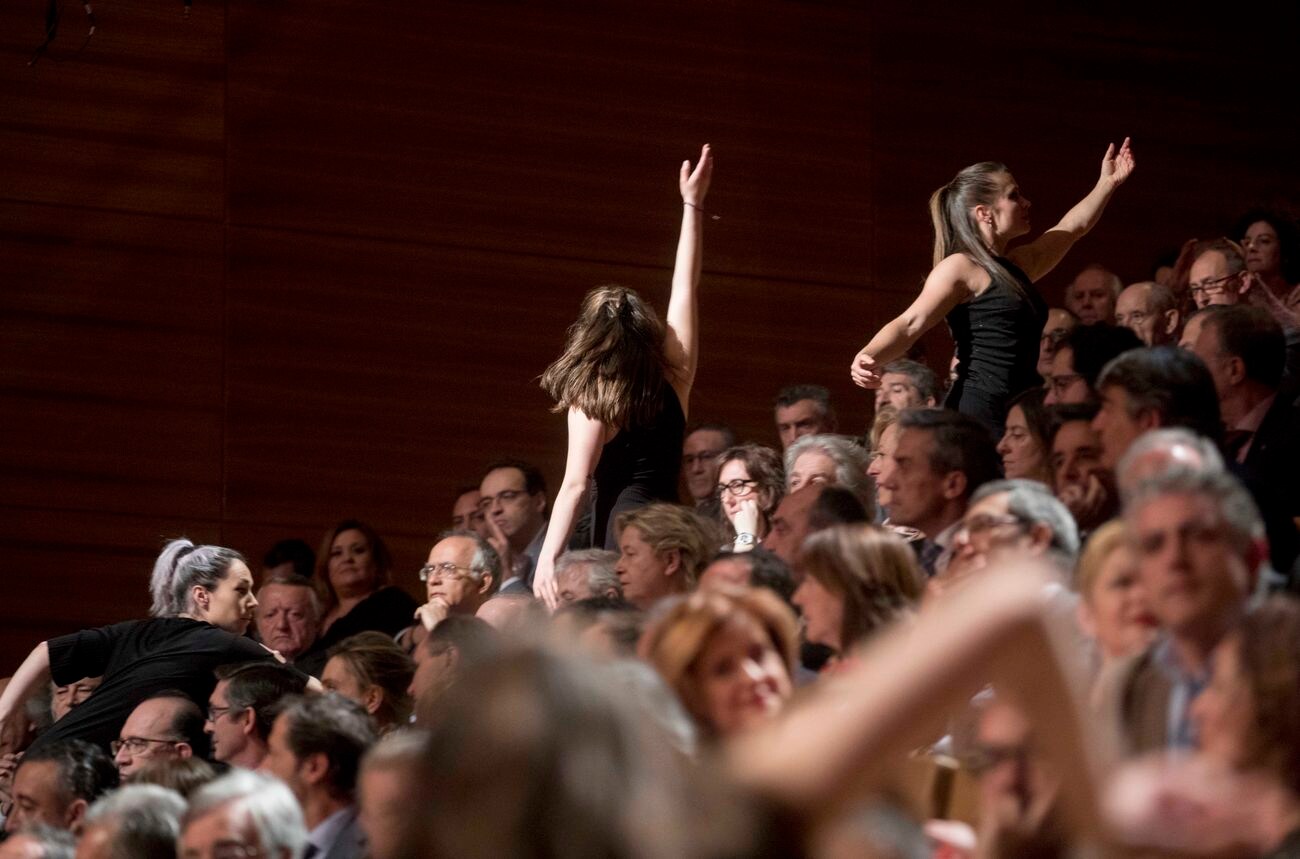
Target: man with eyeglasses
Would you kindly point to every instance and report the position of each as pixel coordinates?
(241, 709)
(1060, 322)
(1217, 273)
(1079, 360)
(460, 575)
(701, 448)
(1150, 311)
(512, 496)
(166, 725)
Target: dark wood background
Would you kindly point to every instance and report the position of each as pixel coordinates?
(284, 262)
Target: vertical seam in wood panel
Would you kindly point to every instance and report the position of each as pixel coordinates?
(225, 263)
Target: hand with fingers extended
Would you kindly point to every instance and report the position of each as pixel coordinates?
(865, 370)
(544, 585)
(694, 184)
(498, 540)
(1116, 167)
(432, 613)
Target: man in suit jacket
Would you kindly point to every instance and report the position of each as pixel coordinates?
(315, 747)
(1245, 350)
(1199, 544)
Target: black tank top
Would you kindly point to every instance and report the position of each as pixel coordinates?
(638, 466)
(997, 335)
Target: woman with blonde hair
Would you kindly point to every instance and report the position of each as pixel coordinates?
(624, 378)
(728, 653)
(372, 670)
(985, 291)
(857, 579)
(663, 550)
(1113, 607)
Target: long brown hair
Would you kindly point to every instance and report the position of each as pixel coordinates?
(613, 365)
(955, 230)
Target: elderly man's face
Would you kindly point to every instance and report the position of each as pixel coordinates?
(987, 529)
(1211, 282)
(148, 734)
(228, 827)
(790, 523)
(915, 490)
(1090, 297)
(286, 619)
(38, 798)
(451, 578)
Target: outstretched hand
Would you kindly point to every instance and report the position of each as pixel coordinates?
(694, 184)
(865, 370)
(1118, 166)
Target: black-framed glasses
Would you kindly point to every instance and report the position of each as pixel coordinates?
(738, 488)
(445, 570)
(1060, 384)
(136, 745)
(689, 459)
(985, 522)
(1209, 286)
(215, 713)
(504, 496)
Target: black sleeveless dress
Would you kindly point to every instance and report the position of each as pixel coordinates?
(997, 335)
(639, 466)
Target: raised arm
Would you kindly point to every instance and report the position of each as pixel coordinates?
(904, 685)
(30, 676)
(681, 344)
(1042, 254)
(586, 437)
(948, 285)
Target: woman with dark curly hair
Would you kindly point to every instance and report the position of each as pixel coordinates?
(1271, 241)
(751, 482)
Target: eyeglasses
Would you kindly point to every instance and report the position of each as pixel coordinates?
(136, 745)
(1210, 286)
(689, 459)
(214, 713)
(1060, 384)
(504, 496)
(984, 523)
(738, 488)
(445, 570)
(1054, 337)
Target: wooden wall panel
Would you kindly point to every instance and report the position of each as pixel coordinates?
(281, 263)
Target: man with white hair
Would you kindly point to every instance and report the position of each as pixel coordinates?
(585, 573)
(140, 821)
(1091, 295)
(1012, 516)
(243, 810)
(1150, 311)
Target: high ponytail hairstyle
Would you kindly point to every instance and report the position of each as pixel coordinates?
(181, 566)
(613, 365)
(955, 230)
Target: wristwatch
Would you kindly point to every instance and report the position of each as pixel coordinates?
(744, 538)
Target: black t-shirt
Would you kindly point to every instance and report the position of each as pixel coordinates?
(137, 659)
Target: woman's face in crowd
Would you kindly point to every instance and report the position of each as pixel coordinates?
(1010, 212)
(642, 571)
(740, 679)
(339, 677)
(734, 469)
(1022, 453)
(1263, 252)
(1117, 610)
(1224, 712)
(351, 564)
(823, 612)
(231, 602)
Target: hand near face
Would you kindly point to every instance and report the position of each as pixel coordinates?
(497, 539)
(1090, 501)
(746, 521)
(432, 613)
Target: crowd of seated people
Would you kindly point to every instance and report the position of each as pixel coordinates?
(1080, 637)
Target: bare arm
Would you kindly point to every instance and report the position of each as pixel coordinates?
(948, 285)
(887, 703)
(586, 437)
(681, 343)
(30, 676)
(1041, 255)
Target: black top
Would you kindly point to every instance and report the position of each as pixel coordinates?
(997, 335)
(638, 466)
(137, 659)
(388, 610)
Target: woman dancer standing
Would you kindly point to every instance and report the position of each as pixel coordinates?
(985, 291)
(625, 379)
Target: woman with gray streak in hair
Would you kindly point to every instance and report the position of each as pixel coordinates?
(202, 604)
(985, 291)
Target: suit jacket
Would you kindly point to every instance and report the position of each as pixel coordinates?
(1271, 472)
(1135, 703)
(348, 841)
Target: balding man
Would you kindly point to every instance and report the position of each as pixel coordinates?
(166, 725)
(1091, 295)
(1150, 311)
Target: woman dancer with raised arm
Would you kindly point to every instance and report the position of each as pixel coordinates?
(625, 379)
(985, 291)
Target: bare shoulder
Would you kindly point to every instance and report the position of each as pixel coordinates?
(962, 272)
